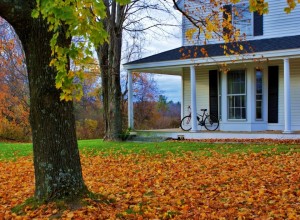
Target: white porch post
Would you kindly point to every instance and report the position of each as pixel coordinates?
(182, 96)
(130, 101)
(224, 114)
(287, 97)
(193, 98)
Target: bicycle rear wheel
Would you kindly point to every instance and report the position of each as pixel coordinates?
(186, 123)
(211, 122)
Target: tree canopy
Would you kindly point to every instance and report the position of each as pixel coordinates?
(73, 19)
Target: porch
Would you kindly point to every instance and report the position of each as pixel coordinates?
(251, 94)
(177, 133)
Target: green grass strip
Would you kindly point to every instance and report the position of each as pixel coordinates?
(10, 151)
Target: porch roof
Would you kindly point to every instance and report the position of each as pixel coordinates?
(185, 53)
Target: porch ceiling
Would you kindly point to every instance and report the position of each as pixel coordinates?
(169, 70)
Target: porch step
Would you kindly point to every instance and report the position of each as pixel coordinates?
(136, 138)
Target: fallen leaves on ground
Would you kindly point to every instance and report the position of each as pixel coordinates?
(190, 186)
(241, 140)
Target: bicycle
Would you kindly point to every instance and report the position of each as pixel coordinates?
(210, 122)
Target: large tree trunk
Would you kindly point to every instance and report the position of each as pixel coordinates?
(57, 165)
(102, 52)
(116, 41)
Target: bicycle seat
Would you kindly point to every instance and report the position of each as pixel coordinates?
(203, 109)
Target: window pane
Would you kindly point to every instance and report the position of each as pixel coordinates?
(258, 97)
(236, 82)
(243, 113)
(258, 113)
(258, 104)
(238, 113)
(258, 82)
(242, 17)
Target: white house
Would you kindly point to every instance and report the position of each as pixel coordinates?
(251, 96)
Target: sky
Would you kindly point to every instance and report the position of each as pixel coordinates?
(169, 85)
(159, 39)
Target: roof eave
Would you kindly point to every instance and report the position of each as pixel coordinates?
(270, 55)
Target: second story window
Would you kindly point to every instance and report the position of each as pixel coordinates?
(248, 23)
(242, 18)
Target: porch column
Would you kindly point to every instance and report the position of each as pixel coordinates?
(182, 95)
(130, 101)
(287, 97)
(193, 98)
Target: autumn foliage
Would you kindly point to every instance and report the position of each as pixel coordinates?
(14, 92)
(190, 186)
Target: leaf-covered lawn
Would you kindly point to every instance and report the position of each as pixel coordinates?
(191, 186)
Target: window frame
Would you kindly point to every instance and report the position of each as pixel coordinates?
(237, 95)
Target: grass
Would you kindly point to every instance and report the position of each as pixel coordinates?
(10, 151)
(14, 150)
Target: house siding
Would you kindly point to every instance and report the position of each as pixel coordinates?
(275, 24)
(202, 90)
(295, 93)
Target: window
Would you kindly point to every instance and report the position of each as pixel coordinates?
(259, 94)
(236, 94)
(242, 18)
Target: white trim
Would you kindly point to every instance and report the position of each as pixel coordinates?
(270, 55)
(193, 98)
(130, 101)
(224, 98)
(182, 96)
(287, 97)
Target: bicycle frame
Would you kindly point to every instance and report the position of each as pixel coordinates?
(198, 116)
(210, 122)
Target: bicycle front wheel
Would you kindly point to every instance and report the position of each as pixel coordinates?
(211, 123)
(186, 123)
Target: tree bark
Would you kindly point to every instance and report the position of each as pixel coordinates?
(109, 56)
(102, 53)
(58, 173)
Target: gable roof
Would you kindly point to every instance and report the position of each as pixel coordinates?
(213, 50)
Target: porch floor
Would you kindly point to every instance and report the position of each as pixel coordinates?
(177, 133)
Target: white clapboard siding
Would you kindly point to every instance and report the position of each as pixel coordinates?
(295, 92)
(193, 8)
(202, 89)
(275, 24)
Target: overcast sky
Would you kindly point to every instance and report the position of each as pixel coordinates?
(159, 39)
(169, 85)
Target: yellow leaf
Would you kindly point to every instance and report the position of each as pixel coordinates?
(190, 32)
